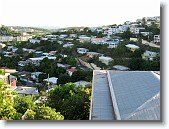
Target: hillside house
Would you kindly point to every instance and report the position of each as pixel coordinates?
(82, 50)
(132, 47)
(105, 60)
(149, 55)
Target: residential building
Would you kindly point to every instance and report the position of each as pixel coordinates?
(134, 39)
(145, 33)
(23, 38)
(39, 53)
(22, 63)
(132, 47)
(84, 38)
(157, 39)
(81, 83)
(120, 67)
(105, 60)
(125, 95)
(52, 53)
(92, 54)
(71, 71)
(68, 45)
(6, 38)
(7, 78)
(34, 41)
(36, 61)
(24, 90)
(35, 75)
(62, 36)
(127, 22)
(28, 50)
(149, 55)
(73, 35)
(113, 44)
(98, 40)
(52, 81)
(65, 66)
(82, 50)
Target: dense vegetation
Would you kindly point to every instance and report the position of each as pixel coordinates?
(14, 107)
(4, 30)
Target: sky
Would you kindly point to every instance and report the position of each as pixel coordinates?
(69, 13)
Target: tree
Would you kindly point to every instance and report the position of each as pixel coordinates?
(79, 105)
(2, 72)
(21, 104)
(81, 75)
(127, 34)
(42, 113)
(63, 79)
(73, 102)
(72, 61)
(7, 110)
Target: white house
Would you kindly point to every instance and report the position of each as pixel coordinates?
(23, 38)
(82, 50)
(145, 33)
(22, 63)
(23, 90)
(132, 47)
(35, 75)
(28, 50)
(149, 55)
(81, 83)
(34, 41)
(84, 38)
(112, 44)
(37, 60)
(92, 54)
(120, 67)
(62, 36)
(105, 60)
(68, 45)
(6, 38)
(157, 39)
(52, 81)
(72, 35)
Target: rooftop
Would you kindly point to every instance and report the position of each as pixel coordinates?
(133, 95)
(132, 46)
(120, 67)
(26, 90)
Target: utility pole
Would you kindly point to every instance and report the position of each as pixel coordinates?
(48, 82)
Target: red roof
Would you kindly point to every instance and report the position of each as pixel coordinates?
(99, 39)
(72, 70)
